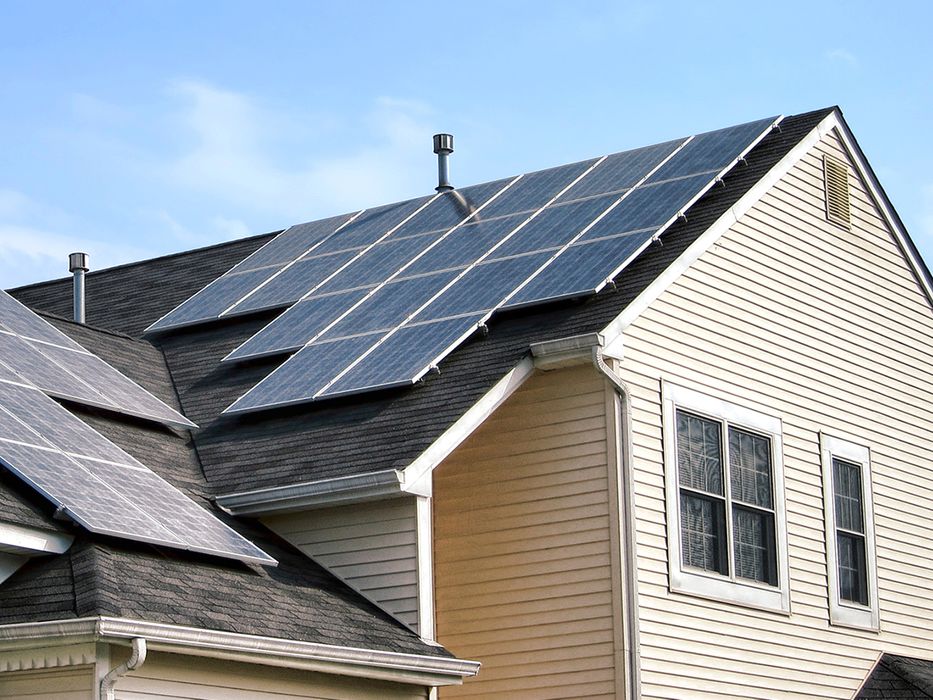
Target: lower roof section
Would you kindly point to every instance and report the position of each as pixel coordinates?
(323, 658)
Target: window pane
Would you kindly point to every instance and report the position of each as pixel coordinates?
(703, 533)
(853, 579)
(699, 453)
(755, 549)
(750, 468)
(847, 484)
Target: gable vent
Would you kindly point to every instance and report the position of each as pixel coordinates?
(836, 175)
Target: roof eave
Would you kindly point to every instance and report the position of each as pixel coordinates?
(310, 656)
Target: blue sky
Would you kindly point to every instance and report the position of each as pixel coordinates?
(133, 129)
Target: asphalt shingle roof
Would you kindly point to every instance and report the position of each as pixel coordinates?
(898, 678)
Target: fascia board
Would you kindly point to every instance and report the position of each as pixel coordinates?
(613, 332)
(414, 474)
(325, 658)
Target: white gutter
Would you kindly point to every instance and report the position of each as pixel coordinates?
(137, 659)
(314, 494)
(311, 656)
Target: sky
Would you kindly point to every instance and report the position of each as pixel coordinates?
(134, 129)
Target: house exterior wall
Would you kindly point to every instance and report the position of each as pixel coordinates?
(194, 678)
(828, 329)
(68, 683)
(524, 546)
(372, 546)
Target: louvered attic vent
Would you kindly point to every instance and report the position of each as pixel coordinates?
(836, 176)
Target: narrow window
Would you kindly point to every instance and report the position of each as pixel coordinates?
(726, 527)
(849, 533)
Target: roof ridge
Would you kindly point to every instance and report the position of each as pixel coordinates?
(97, 329)
(147, 261)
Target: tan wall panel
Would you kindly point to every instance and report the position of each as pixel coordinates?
(193, 678)
(522, 545)
(72, 683)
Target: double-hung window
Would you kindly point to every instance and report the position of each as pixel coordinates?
(850, 543)
(724, 484)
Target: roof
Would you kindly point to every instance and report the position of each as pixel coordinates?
(375, 431)
(343, 437)
(898, 678)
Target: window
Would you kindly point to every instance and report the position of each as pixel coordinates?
(850, 544)
(724, 484)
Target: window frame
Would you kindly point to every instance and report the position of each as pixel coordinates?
(848, 613)
(709, 584)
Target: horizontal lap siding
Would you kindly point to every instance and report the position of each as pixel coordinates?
(53, 684)
(165, 676)
(371, 546)
(828, 329)
(522, 545)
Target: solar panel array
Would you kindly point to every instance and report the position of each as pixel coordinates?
(41, 355)
(378, 298)
(99, 485)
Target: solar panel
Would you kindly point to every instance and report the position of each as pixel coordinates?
(293, 243)
(41, 355)
(100, 486)
(549, 235)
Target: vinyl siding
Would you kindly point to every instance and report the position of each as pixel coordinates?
(191, 678)
(828, 329)
(372, 546)
(523, 545)
(72, 683)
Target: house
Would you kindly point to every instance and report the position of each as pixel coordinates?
(653, 425)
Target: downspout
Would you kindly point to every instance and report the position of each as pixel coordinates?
(624, 451)
(137, 659)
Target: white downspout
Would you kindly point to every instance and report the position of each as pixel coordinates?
(137, 659)
(628, 521)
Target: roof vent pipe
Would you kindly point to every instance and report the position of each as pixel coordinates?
(77, 265)
(443, 147)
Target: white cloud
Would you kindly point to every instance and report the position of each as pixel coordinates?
(230, 228)
(232, 154)
(842, 56)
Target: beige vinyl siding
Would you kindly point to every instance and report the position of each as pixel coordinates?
(828, 329)
(372, 546)
(523, 545)
(72, 683)
(166, 676)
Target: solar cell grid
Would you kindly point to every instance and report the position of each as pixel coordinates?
(292, 283)
(405, 356)
(292, 243)
(288, 332)
(28, 363)
(59, 455)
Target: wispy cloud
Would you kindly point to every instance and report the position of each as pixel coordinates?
(842, 57)
(233, 154)
(35, 241)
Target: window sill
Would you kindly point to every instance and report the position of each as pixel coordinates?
(747, 595)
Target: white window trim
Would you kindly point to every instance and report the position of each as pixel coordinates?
(847, 613)
(708, 584)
